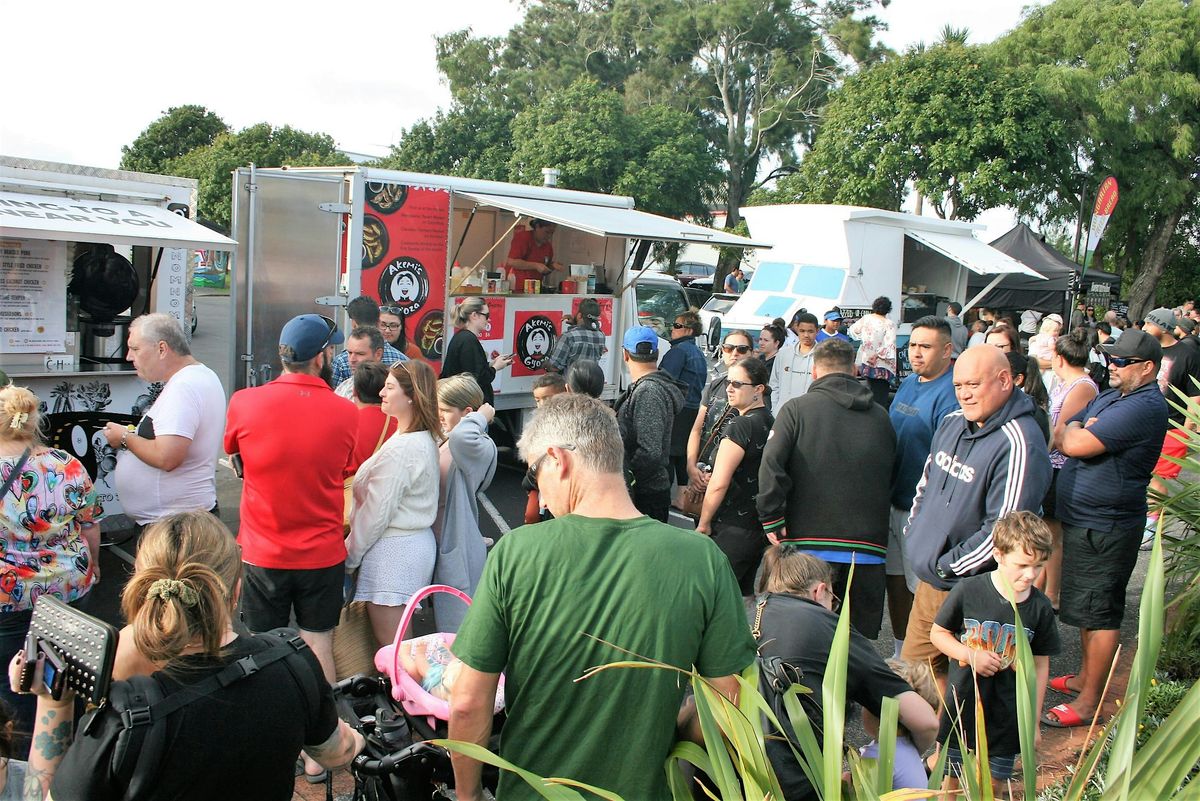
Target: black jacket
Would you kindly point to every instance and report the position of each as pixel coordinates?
(827, 469)
(465, 354)
(645, 413)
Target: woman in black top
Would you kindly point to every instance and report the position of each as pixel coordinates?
(237, 739)
(729, 514)
(711, 417)
(770, 340)
(465, 354)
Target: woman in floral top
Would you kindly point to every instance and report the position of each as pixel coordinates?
(876, 360)
(51, 541)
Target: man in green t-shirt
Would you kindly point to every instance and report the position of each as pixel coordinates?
(551, 592)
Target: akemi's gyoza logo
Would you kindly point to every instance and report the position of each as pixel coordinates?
(404, 283)
(955, 468)
(535, 339)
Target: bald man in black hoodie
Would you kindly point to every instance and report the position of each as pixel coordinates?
(825, 480)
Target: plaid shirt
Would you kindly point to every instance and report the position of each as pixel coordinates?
(341, 363)
(578, 343)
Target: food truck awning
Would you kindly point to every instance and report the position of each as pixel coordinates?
(968, 251)
(610, 221)
(50, 217)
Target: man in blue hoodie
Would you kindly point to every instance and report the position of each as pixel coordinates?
(985, 461)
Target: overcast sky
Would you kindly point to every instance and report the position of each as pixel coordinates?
(81, 79)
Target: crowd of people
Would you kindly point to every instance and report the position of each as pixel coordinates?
(1008, 452)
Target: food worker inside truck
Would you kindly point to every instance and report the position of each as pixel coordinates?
(531, 255)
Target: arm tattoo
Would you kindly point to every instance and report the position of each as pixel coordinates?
(45, 753)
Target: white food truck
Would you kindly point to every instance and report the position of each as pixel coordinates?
(827, 256)
(84, 250)
(312, 238)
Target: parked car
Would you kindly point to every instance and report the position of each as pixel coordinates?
(688, 271)
(712, 315)
(696, 296)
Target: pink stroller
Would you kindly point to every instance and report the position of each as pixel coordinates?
(416, 701)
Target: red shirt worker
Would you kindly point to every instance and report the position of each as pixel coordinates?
(531, 255)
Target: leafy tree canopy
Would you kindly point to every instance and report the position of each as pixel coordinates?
(177, 131)
(654, 154)
(262, 144)
(469, 141)
(1125, 76)
(967, 132)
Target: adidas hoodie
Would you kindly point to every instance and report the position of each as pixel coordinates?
(973, 477)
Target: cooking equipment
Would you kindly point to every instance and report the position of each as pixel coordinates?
(105, 284)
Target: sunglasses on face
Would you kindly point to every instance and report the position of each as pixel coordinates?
(1121, 361)
(678, 326)
(742, 349)
(485, 314)
(531, 475)
(740, 384)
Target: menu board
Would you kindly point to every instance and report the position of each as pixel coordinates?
(33, 296)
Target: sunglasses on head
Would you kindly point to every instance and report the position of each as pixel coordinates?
(1121, 361)
(742, 349)
(396, 310)
(332, 330)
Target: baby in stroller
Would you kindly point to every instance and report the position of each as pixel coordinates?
(429, 661)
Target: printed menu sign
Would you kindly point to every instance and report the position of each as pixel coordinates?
(33, 296)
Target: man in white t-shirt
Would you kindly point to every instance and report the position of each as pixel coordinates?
(168, 462)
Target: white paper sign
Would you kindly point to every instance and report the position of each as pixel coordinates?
(33, 296)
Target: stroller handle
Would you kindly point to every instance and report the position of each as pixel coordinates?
(409, 610)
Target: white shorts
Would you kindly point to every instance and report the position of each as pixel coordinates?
(897, 561)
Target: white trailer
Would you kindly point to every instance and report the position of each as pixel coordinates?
(84, 250)
(843, 257)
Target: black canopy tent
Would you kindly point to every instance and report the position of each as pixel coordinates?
(1017, 291)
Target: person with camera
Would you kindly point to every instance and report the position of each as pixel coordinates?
(234, 737)
(51, 544)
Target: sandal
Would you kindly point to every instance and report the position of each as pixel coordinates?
(1064, 717)
(1059, 684)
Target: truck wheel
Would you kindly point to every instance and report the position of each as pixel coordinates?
(714, 335)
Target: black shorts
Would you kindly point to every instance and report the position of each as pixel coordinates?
(269, 595)
(1096, 570)
(743, 546)
(866, 595)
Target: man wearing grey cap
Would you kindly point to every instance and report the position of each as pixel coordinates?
(294, 438)
(1185, 332)
(1180, 369)
(1101, 492)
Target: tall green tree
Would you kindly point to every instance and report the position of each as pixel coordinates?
(179, 130)
(967, 132)
(471, 141)
(262, 144)
(1125, 76)
(654, 153)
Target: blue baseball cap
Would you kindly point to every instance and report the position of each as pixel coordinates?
(833, 314)
(641, 339)
(309, 334)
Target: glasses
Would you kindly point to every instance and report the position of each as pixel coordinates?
(1121, 361)
(740, 384)
(742, 349)
(531, 475)
(390, 326)
(484, 314)
(332, 330)
(678, 326)
(396, 310)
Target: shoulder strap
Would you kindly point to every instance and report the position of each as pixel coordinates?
(16, 471)
(142, 742)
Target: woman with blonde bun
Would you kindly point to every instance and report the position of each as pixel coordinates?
(48, 513)
(237, 739)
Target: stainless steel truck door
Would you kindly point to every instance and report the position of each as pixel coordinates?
(290, 252)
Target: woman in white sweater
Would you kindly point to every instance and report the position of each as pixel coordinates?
(391, 542)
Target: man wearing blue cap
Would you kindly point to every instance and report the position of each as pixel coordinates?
(832, 328)
(294, 437)
(645, 413)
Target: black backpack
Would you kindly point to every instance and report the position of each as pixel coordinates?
(143, 709)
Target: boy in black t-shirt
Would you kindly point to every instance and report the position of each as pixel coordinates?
(977, 630)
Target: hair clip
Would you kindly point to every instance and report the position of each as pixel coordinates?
(19, 419)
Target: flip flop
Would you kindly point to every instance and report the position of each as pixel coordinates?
(1066, 718)
(1059, 684)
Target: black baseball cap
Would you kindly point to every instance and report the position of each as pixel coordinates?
(1134, 344)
